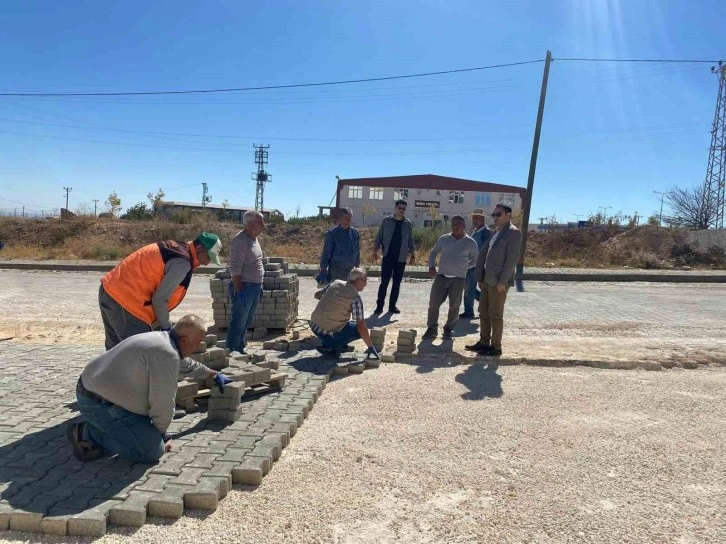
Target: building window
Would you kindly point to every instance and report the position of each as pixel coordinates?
(400, 194)
(376, 193)
(355, 191)
(456, 197)
(483, 199)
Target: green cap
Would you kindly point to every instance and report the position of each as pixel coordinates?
(211, 243)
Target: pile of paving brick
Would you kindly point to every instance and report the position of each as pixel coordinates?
(406, 342)
(253, 371)
(279, 304)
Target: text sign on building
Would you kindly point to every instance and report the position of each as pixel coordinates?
(426, 203)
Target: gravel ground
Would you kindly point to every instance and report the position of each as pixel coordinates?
(471, 454)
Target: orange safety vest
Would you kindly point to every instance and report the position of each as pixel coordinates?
(134, 280)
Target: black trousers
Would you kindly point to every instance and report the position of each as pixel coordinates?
(388, 269)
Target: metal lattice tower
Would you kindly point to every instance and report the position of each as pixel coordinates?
(716, 172)
(261, 176)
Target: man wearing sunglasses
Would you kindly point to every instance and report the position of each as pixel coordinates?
(495, 275)
(396, 238)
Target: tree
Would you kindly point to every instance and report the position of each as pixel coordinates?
(156, 198)
(690, 208)
(653, 220)
(225, 204)
(114, 204)
(366, 210)
(84, 208)
(139, 212)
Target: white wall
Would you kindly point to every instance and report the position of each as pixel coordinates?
(418, 214)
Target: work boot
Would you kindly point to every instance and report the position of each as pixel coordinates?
(329, 352)
(430, 333)
(82, 450)
(494, 352)
(447, 334)
(479, 348)
(393, 310)
(179, 413)
(466, 315)
(378, 311)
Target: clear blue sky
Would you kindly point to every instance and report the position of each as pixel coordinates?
(612, 134)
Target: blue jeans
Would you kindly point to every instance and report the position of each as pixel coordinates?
(117, 430)
(471, 292)
(340, 340)
(244, 306)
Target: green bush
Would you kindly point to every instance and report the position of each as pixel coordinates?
(426, 237)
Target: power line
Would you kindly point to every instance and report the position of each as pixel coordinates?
(661, 61)
(289, 86)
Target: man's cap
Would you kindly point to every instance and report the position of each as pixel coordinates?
(211, 243)
(479, 211)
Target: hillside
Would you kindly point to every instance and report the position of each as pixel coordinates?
(108, 239)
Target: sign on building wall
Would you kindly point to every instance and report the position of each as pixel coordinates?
(426, 203)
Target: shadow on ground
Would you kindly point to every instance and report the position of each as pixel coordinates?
(40, 475)
(482, 381)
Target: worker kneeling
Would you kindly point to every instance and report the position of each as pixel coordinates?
(330, 320)
(126, 395)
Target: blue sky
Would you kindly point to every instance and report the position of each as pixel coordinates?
(612, 133)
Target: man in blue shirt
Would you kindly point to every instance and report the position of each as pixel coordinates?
(481, 235)
(341, 251)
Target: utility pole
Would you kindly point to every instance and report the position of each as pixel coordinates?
(95, 206)
(715, 184)
(662, 196)
(205, 198)
(261, 176)
(532, 169)
(67, 190)
(23, 211)
(604, 212)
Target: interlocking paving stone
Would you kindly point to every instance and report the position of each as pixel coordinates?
(43, 488)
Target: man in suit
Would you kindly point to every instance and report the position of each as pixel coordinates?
(481, 235)
(495, 275)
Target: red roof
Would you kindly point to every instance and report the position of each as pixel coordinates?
(432, 181)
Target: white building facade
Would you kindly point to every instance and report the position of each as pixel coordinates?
(431, 199)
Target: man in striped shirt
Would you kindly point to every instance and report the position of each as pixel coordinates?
(341, 251)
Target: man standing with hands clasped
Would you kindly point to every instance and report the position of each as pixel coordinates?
(247, 272)
(458, 252)
(396, 238)
(495, 274)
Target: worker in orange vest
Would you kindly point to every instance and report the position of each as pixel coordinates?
(138, 294)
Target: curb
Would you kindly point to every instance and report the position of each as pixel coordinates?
(421, 273)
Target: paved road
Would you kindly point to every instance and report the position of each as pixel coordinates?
(550, 320)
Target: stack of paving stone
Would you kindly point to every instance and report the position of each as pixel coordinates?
(210, 355)
(278, 307)
(378, 337)
(225, 405)
(406, 342)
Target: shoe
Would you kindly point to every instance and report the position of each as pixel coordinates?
(349, 349)
(378, 311)
(466, 316)
(179, 413)
(479, 348)
(82, 450)
(447, 334)
(494, 352)
(393, 310)
(430, 333)
(329, 352)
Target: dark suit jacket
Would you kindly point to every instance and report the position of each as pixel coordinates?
(496, 265)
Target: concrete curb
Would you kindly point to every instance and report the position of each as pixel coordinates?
(418, 272)
(459, 359)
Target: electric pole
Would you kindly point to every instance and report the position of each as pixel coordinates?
(715, 184)
(662, 196)
(95, 205)
(604, 212)
(532, 169)
(261, 176)
(205, 198)
(67, 190)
